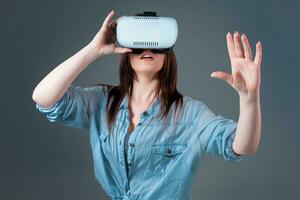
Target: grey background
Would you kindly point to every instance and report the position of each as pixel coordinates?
(40, 160)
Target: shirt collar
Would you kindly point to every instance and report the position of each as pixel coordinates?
(152, 109)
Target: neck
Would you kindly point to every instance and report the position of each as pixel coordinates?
(144, 90)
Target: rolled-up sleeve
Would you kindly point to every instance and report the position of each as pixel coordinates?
(216, 134)
(74, 108)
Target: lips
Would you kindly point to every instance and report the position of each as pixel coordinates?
(147, 52)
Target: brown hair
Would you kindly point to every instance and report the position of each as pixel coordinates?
(167, 77)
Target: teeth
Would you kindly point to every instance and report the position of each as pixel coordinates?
(146, 56)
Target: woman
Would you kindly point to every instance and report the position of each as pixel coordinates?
(142, 146)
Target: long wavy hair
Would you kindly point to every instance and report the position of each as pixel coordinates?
(167, 91)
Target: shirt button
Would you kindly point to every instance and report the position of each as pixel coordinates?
(145, 114)
(131, 144)
(169, 151)
(139, 124)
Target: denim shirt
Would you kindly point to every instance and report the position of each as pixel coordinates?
(163, 157)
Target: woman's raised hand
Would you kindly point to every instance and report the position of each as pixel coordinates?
(245, 77)
(104, 41)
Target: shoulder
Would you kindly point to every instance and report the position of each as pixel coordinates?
(97, 90)
(94, 95)
(192, 103)
(193, 108)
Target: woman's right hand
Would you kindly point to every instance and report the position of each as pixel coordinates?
(104, 41)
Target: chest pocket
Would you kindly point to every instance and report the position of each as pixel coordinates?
(164, 156)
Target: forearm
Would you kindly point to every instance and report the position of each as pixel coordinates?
(249, 126)
(55, 84)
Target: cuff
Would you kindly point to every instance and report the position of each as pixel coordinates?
(53, 114)
(232, 156)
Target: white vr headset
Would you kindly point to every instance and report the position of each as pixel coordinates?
(147, 31)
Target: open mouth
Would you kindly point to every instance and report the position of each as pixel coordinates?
(147, 55)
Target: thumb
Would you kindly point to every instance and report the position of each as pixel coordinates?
(122, 50)
(223, 76)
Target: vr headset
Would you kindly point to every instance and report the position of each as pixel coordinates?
(147, 31)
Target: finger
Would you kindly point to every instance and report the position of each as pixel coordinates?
(222, 75)
(230, 46)
(258, 54)
(113, 23)
(237, 44)
(112, 26)
(247, 47)
(108, 19)
(122, 50)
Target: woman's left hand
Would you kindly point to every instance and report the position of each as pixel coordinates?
(245, 77)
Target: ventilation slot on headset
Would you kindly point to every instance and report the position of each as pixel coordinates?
(142, 17)
(145, 43)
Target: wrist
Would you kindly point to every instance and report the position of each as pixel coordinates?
(93, 51)
(249, 97)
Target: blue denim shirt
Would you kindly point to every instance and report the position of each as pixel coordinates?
(162, 157)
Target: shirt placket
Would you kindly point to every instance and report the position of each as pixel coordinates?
(131, 145)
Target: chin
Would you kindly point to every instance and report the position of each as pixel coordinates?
(146, 72)
(147, 68)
